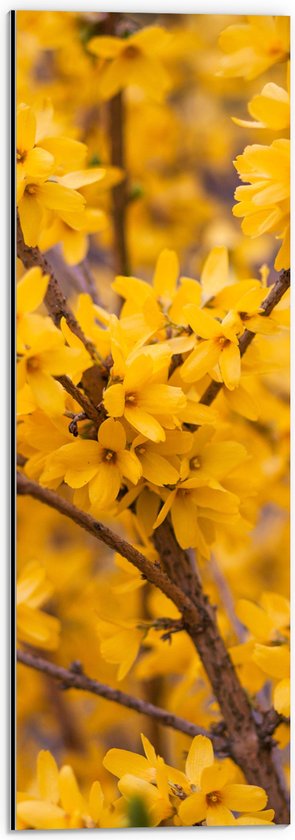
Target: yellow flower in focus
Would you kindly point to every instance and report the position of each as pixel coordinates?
(38, 195)
(35, 627)
(45, 356)
(139, 398)
(132, 61)
(102, 464)
(220, 347)
(60, 804)
(250, 48)
(215, 797)
(264, 200)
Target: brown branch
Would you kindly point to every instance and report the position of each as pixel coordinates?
(76, 678)
(183, 587)
(54, 300)
(90, 410)
(268, 304)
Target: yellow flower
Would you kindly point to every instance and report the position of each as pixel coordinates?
(44, 357)
(268, 623)
(169, 296)
(102, 464)
(60, 804)
(35, 627)
(38, 195)
(264, 200)
(144, 767)
(120, 642)
(192, 504)
(254, 46)
(132, 61)
(220, 347)
(31, 160)
(138, 398)
(215, 797)
(154, 457)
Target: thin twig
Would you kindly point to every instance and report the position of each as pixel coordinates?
(88, 408)
(80, 681)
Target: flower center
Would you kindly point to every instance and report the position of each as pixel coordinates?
(213, 798)
(31, 189)
(141, 450)
(131, 52)
(195, 463)
(109, 455)
(20, 156)
(130, 399)
(33, 363)
(223, 342)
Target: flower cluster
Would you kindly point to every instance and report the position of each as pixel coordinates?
(264, 200)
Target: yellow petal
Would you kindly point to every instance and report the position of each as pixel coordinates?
(107, 46)
(138, 373)
(203, 324)
(215, 273)
(82, 177)
(145, 423)
(214, 777)
(274, 660)
(166, 274)
(41, 815)
(162, 399)
(185, 522)
(70, 795)
(48, 393)
(255, 619)
(200, 361)
(219, 815)
(244, 797)
(130, 466)
(105, 486)
(47, 775)
(31, 290)
(30, 214)
(96, 800)
(114, 400)
(157, 469)
(38, 164)
(281, 698)
(26, 128)
(200, 755)
(56, 197)
(230, 365)
(193, 809)
(112, 435)
(120, 762)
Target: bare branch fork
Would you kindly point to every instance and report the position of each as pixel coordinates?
(74, 677)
